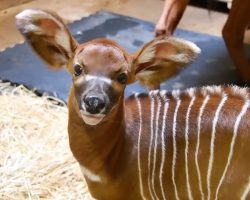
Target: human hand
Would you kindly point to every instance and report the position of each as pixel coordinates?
(161, 28)
(170, 17)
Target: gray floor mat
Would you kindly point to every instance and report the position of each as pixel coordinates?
(20, 65)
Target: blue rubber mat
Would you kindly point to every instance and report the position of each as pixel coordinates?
(20, 65)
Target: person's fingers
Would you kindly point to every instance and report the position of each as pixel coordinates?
(159, 32)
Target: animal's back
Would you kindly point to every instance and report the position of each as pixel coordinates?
(192, 144)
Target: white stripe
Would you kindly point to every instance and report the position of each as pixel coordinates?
(151, 94)
(230, 155)
(102, 78)
(190, 196)
(139, 146)
(246, 191)
(90, 175)
(211, 158)
(155, 147)
(174, 148)
(198, 144)
(163, 147)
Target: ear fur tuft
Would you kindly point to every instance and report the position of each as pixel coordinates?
(161, 59)
(188, 50)
(48, 36)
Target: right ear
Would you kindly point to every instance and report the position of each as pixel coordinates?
(161, 59)
(48, 36)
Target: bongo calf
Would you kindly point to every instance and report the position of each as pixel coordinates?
(192, 144)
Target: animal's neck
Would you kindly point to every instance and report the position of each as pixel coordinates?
(97, 147)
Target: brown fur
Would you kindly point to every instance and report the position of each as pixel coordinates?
(109, 149)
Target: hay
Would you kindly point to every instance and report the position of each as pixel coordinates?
(35, 159)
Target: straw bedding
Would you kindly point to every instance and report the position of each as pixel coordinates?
(35, 159)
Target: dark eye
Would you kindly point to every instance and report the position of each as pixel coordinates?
(122, 78)
(77, 70)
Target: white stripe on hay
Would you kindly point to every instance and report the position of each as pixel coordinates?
(35, 160)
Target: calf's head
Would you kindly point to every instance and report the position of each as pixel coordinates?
(101, 69)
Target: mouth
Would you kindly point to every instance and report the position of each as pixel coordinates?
(91, 119)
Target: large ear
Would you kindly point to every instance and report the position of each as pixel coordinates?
(48, 35)
(161, 59)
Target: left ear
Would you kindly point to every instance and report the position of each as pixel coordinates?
(161, 59)
(48, 36)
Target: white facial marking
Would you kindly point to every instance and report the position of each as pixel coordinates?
(91, 119)
(80, 80)
(102, 78)
(174, 147)
(211, 158)
(190, 196)
(198, 144)
(90, 175)
(139, 147)
(230, 155)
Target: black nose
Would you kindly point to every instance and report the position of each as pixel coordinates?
(94, 104)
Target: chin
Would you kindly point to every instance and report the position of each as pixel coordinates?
(91, 119)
